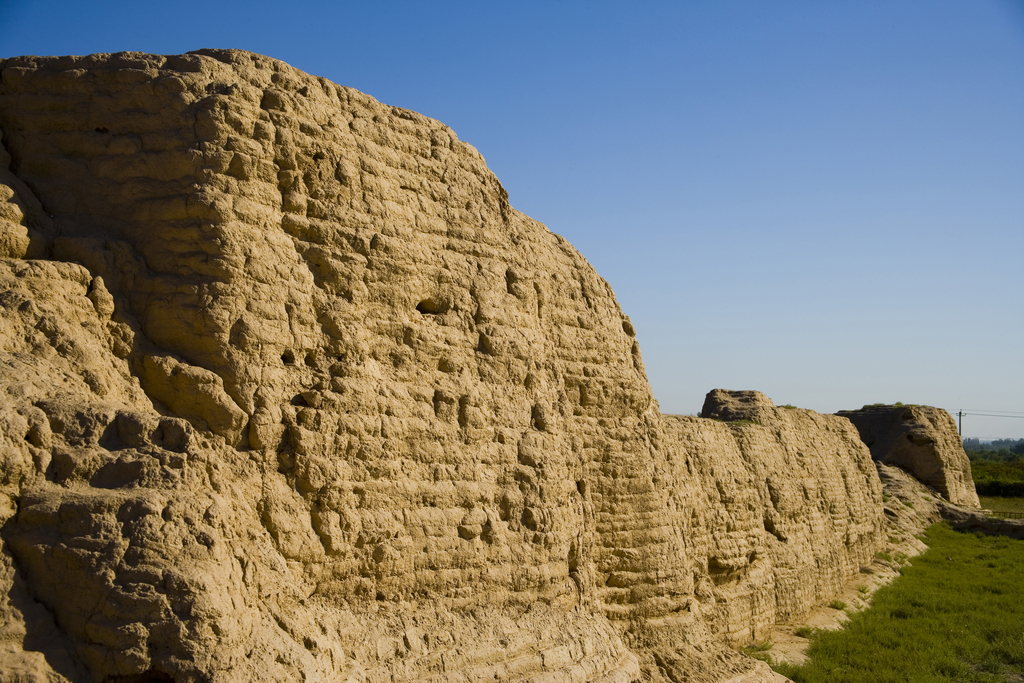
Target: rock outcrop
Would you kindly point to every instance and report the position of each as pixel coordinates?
(737, 406)
(291, 392)
(922, 440)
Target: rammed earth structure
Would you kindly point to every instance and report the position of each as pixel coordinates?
(291, 392)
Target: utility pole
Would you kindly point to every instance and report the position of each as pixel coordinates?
(960, 423)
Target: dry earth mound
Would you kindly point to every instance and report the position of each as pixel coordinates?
(295, 394)
(922, 440)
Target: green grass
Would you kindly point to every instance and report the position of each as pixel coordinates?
(982, 471)
(955, 614)
(759, 651)
(1002, 504)
(993, 478)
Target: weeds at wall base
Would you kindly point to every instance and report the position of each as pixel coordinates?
(956, 614)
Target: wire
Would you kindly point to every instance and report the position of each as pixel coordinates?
(1019, 417)
(983, 410)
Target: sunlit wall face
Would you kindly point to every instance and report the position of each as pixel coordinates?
(822, 201)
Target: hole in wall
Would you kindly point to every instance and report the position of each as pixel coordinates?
(431, 306)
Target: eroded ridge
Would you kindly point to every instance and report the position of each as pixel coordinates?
(299, 395)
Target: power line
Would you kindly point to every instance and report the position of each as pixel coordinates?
(988, 413)
(964, 412)
(985, 410)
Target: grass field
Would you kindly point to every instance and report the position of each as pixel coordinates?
(1002, 504)
(982, 471)
(1000, 478)
(955, 614)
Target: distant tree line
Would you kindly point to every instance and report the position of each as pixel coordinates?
(1012, 445)
(1000, 450)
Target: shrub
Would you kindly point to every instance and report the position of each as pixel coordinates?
(805, 631)
(1002, 478)
(759, 651)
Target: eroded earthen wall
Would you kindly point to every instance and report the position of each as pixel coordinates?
(922, 440)
(787, 509)
(318, 403)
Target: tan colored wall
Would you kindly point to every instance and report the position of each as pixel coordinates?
(319, 403)
(922, 440)
(785, 509)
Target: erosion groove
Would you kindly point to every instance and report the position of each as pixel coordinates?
(291, 392)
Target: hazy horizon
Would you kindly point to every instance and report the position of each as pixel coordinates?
(813, 200)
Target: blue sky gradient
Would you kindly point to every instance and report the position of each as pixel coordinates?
(823, 201)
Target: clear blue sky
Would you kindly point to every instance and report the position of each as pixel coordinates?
(823, 201)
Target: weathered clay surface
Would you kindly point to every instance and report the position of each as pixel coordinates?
(734, 406)
(786, 510)
(922, 440)
(18, 209)
(299, 396)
